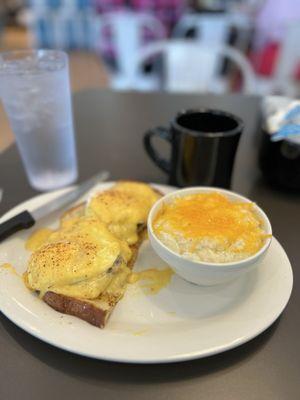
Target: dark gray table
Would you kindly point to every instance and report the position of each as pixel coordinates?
(110, 128)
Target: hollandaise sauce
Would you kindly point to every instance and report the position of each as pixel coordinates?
(38, 238)
(153, 280)
(10, 268)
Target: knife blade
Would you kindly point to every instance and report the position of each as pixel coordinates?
(26, 219)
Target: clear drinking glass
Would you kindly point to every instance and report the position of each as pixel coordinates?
(35, 91)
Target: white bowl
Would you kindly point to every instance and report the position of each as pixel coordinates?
(206, 273)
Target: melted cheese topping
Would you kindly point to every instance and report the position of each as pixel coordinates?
(123, 208)
(156, 279)
(234, 225)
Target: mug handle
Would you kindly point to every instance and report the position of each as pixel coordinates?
(164, 134)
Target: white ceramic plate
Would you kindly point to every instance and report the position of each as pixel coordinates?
(182, 322)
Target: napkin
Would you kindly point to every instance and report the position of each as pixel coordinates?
(282, 116)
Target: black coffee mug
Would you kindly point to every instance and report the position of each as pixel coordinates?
(203, 146)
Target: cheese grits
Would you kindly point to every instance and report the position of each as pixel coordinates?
(209, 227)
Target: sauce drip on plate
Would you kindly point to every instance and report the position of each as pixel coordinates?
(153, 279)
(10, 268)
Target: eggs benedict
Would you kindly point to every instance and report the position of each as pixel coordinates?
(82, 267)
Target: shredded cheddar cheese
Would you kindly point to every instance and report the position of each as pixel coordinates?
(211, 220)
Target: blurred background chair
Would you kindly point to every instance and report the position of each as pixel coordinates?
(262, 32)
(206, 27)
(104, 51)
(128, 30)
(63, 24)
(288, 66)
(190, 66)
(275, 54)
(286, 71)
(215, 29)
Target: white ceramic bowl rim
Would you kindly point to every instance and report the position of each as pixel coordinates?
(206, 189)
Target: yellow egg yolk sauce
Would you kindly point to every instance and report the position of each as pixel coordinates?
(153, 279)
(38, 238)
(9, 267)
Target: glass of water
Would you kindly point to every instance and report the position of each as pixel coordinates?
(35, 91)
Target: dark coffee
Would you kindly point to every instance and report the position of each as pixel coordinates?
(206, 122)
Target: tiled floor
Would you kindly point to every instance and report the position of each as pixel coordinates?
(86, 69)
